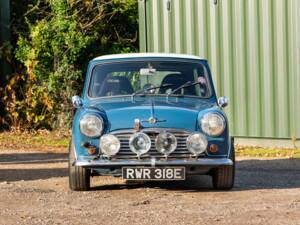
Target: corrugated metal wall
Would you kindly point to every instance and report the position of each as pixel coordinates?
(253, 47)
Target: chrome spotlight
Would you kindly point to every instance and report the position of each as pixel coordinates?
(140, 143)
(109, 144)
(196, 143)
(166, 143)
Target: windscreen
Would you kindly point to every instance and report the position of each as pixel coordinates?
(149, 77)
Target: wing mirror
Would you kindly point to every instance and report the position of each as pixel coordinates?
(77, 102)
(223, 101)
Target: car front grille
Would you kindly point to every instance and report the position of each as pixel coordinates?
(180, 152)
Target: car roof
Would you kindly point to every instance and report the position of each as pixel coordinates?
(147, 55)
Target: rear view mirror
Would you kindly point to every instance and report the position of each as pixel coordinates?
(147, 71)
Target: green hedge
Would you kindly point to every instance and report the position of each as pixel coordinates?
(53, 41)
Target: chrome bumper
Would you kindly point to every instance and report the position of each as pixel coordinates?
(153, 162)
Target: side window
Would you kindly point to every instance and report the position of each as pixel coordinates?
(96, 82)
(200, 76)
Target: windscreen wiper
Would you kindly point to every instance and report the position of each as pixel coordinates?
(185, 85)
(149, 89)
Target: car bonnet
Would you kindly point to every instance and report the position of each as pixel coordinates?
(177, 113)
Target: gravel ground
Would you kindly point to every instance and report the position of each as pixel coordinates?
(34, 190)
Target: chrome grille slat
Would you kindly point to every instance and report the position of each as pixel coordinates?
(125, 152)
(153, 146)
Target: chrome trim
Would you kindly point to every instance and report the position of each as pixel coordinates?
(187, 162)
(77, 102)
(151, 130)
(223, 101)
(74, 149)
(181, 150)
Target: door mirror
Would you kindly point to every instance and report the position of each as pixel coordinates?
(223, 101)
(77, 102)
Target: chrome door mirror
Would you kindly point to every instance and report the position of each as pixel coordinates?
(77, 101)
(223, 101)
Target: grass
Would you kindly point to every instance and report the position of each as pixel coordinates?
(258, 152)
(39, 141)
(58, 142)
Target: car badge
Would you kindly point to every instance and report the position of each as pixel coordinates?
(153, 120)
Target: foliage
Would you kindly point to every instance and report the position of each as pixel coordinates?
(255, 151)
(51, 141)
(54, 48)
(6, 51)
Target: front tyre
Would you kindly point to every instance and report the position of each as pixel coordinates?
(79, 177)
(223, 177)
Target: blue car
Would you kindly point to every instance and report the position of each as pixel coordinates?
(150, 117)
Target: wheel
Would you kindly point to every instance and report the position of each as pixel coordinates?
(79, 177)
(223, 177)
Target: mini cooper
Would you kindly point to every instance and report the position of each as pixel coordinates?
(150, 117)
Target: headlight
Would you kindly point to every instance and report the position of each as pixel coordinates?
(140, 143)
(109, 144)
(91, 125)
(196, 143)
(165, 143)
(213, 124)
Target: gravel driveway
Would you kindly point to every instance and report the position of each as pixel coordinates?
(34, 190)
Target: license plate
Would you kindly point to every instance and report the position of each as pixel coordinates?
(153, 173)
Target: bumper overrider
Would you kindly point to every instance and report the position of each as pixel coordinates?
(215, 162)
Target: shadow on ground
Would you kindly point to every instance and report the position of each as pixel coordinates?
(251, 174)
(32, 158)
(31, 174)
(10, 160)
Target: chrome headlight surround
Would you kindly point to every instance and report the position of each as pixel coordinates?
(139, 143)
(213, 124)
(166, 143)
(110, 144)
(91, 125)
(196, 143)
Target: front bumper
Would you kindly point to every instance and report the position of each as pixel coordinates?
(102, 163)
